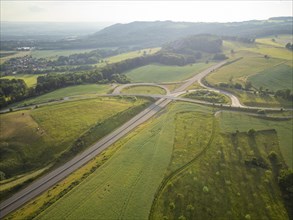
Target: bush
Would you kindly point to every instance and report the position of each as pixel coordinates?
(273, 156)
(205, 189)
(2, 175)
(172, 205)
(251, 132)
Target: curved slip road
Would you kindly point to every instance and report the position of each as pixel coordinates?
(118, 89)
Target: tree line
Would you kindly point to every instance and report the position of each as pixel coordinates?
(16, 90)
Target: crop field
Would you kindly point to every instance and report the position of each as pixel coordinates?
(161, 73)
(54, 54)
(143, 90)
(241, 69)
(230, 122)
(14, 55)
(29, 79)
(277, 77)
(30, 138)
(277, 41)
(67, 92)
(275, 52)
(128, 55)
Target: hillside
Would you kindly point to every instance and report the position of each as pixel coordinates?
(141, 34)
(159, 32)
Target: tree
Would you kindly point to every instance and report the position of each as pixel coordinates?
(251, 132)
(289, 46)
(238, 86)
(248, 85)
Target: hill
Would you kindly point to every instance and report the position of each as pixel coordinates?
(159, 32)
(141, 34)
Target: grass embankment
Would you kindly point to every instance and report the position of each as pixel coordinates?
(143, 90)
(208, 96)
(33, 139)
(78, 91)
(161, 73)
(29, 79)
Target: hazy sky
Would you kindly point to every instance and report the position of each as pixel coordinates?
(127, 11)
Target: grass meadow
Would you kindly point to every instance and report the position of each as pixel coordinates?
(190, 161)
(54, 54)
(29, 79)
(219, 185)
(251, 99)
(239, 71)
(162, 73)
(13, 55)
(275, 78)
(143, 90)
(128, 55)
(272, 73)
(33, 138)
(208, 96)
(230, 122)
(70, 91)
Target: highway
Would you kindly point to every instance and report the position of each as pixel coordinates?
(52, 178)
(60, 173)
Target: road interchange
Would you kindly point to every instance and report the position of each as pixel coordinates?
(52, 178)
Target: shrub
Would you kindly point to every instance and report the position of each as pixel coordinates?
(182, 217)
(205, 189)
(273, 156)
(251, 132)
(172, 205)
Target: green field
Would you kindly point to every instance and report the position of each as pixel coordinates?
(128, 55)
(194, 159)
(31, 139)
(29, 79)
(208, 96)
(67, 92)
(238, 71)
(277, 77)
(143, 90)
(54, 54)
(276, 41)
(124, 186)
(230, 122)
(258, 100)
(161, 73)
(249, 64)
(16, 54)
(219, 185)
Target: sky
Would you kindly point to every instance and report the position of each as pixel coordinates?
(127, 11)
